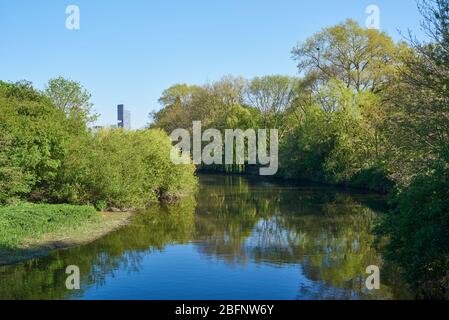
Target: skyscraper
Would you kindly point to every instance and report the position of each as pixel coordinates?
(123, 117)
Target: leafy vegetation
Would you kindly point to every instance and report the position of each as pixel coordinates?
(418, 228)
(330, 122)
(48, 154)
(116, 168)
(418, 234)
(33, 138)
(366, 112)
(29, 221)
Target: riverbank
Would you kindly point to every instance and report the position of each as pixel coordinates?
(30, 231)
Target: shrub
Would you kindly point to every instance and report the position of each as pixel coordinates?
(418, 237)
(48, 155)
(33, 137)
(122, 169)
(28, 221)
(375, 179)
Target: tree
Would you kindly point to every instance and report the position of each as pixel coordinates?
(181, 93)
(334, 140)
(176, 103)
(122, 169)
(419, 109)
(71, 98)
(183, 104)
(272, 95)
(417, 229)
(33, 137)
(418, 237)
(171, 117)
(14, 182)
(364, 59)
(230, 89)
(47, 155)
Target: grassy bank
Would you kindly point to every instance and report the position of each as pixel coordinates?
(30, 230)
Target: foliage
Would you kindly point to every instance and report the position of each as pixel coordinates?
(13, 181)
(331, 122)
(417, 231)
(272, 96)
(335, 140)
(33, 136)
(71, 98)
(27, 221)
(418, 234)
(122, 169)
(367, 112)
(47, 154)
(364, 59)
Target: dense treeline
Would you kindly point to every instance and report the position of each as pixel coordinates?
(366, 111)
(48, 154)
(330, 120)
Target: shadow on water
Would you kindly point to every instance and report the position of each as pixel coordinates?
(317, 239)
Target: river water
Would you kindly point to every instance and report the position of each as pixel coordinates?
(238, 238)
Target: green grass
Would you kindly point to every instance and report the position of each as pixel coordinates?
(31, 221)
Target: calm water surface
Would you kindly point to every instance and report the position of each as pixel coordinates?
(239, 238)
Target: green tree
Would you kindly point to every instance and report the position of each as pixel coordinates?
(335, 138)
(33, 137)
(272, 96)
(364, 59)
(48, 155)
(178, 92)
(416, 231)
(71, 98)
(122, 169)
(14, 182)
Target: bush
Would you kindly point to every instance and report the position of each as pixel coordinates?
(28, 221)
(375, 179)
(418, 237)
(33, 136)
(47, 155)
(122, 169)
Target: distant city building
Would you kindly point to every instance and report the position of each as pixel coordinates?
(123, 121)
(123, 117)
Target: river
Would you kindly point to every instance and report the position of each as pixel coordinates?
(238, 238)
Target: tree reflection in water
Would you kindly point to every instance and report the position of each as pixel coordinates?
(324, 232)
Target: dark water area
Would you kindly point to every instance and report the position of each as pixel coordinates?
(238, 238)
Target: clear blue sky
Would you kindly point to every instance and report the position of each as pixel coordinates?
(130, 51)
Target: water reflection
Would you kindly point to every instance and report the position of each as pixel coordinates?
(324, 231)
(295, 242)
